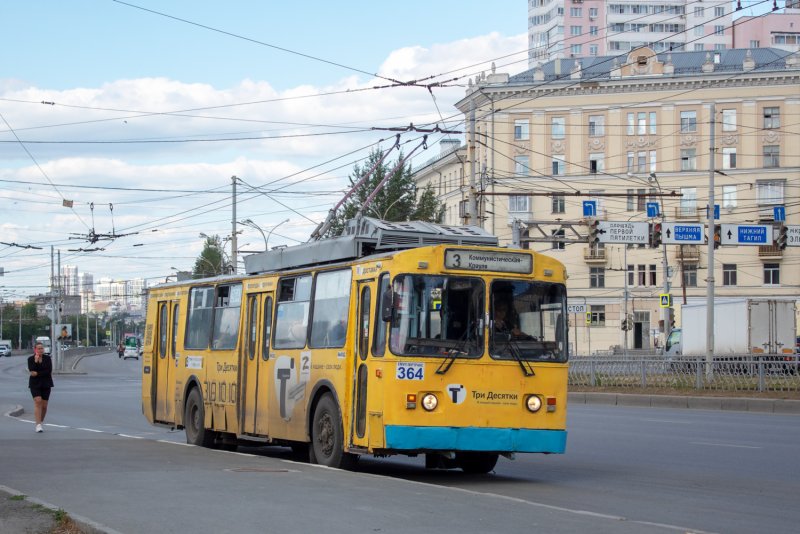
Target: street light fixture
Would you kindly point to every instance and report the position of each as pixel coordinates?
(251, 224)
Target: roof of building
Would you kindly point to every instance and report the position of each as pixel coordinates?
(685, 64)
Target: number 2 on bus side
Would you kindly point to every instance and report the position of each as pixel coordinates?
(410, 371)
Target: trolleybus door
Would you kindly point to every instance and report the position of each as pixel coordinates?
(358, 431)
(164, 362)
(254, 380)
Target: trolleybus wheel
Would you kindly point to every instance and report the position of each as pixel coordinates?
(194, 421)
(476, 462)
(327, 436)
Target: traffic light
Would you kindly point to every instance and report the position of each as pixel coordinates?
(594, 232)
(783, 237)
(717, 235)
(655, 236)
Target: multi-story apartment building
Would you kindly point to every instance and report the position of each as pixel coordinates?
(775, 30)
(625, 132)
(575, 28)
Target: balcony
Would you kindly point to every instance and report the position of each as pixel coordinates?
(594, 255)
(769, 252)
(690, 214)
(688, 253)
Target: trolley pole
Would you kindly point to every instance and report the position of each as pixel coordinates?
(234, 244)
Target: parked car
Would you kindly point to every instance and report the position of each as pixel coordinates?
(5, 350)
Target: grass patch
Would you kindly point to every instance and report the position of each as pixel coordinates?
(17, 497)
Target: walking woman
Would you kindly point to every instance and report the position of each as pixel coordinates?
(40, 367)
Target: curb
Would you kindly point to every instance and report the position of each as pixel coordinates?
(736, 404)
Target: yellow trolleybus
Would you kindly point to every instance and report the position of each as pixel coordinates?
(394, 338)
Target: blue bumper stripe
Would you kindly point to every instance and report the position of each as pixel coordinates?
(413, 438)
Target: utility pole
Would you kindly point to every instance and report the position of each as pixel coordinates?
(234, 244)
(472, 208)
(710, 279)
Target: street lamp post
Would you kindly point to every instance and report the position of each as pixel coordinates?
(251, 224)
(266, 241)
(386, 211)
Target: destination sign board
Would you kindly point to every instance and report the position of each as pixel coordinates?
(482, 260)
(623, 232)
(683, 233)
(746, 234)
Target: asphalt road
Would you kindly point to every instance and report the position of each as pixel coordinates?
(627, 469)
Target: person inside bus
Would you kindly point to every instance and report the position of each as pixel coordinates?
(506, 321)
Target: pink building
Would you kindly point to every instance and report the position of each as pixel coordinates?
(775, 30)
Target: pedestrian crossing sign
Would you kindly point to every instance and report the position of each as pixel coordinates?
(666, 300)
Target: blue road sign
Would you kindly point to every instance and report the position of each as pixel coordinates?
(716, 212)
(682, 233)
(589, 208)
(652, 209)
(746, 234)
(779, 213)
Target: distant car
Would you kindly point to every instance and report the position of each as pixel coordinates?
(131, 352)
(5, 350)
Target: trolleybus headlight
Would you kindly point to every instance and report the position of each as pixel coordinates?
(430, 402)
(533, 403)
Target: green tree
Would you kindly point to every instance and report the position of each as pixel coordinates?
(396, 201)
(211, 261)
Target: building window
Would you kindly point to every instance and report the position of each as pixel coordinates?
(597, 315)
(690, 275)
(592, 12)
(755, 44)
(728, 274)
(652, 273)
(463, 209)
(772, 274)
(641, 161)
(719, 29)
(631, 200)
(575, 49)
(719, 11)
(517, 203)
(728, 120)
(729, 158)
(521, 165)
(593, 50)
(772, 118)
(772, 156)
(699, 31)
(559, 245)
(698, 11)
(593, 30)
(559, 165)
(729, 197)
(597, 277)
(630, 161)
(769, 192)
(699, 47)
(597, 125)
(653, 123)
(631, 124)
(641, 123)
(575, 30)
(558, 204)
(597, 162)
(575, 12)
(688, 159)
(558, 127)
(641, 275)
(688, 121)
(641, 199)
(631, 275)
(521, 130)
(688, 201)
(652, 161)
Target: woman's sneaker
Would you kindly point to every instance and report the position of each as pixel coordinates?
(39, 428)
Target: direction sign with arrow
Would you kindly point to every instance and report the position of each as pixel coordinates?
(746, 234)
(683, 233)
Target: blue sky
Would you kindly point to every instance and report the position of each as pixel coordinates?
(140, 118)
(139, 113)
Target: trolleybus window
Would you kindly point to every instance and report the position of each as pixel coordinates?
(331, 303)
(379, 341)
(198, 324)
(437, 316)
(291, 323)
(528, 321)
(226, 316)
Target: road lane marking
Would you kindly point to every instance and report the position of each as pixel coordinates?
(732, 445)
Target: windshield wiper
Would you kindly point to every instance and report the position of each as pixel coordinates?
(452, 354)
(525, 365)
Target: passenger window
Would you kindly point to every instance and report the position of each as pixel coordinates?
(379, 340)
(291, 322)
(331, 308)
(226, 316)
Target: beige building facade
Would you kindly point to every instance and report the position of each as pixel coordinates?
(623, 133)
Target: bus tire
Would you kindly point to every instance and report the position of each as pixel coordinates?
(327, 436)
(476, 462)
(194, 421)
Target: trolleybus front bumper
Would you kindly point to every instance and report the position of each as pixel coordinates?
(419, 438)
